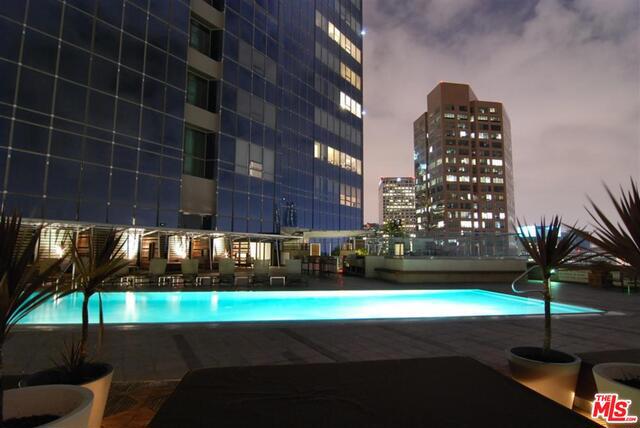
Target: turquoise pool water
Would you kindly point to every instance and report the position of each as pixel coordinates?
(234, 306)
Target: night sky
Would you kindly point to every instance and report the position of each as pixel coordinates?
(568, 73)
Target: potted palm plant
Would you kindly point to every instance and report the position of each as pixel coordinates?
(620, 242)
(100, 264)
(548, 371)
(25, 285)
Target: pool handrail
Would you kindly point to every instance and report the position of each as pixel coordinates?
(525, 273)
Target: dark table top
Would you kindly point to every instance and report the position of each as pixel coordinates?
(432, 392)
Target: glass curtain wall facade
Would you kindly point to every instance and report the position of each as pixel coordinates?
(92, 109)
(290, 147)
(233, 116)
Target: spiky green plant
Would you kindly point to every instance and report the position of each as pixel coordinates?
(550, 250)
(23, 286)
(620, 241)
(101, 264)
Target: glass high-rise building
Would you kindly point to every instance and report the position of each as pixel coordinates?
(234, 116)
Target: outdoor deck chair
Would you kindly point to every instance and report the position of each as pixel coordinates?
(189, 269)
(261, 271)
(227, 268)
(293, 271)
(157, 269)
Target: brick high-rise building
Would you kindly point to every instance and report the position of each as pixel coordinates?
(463, 164)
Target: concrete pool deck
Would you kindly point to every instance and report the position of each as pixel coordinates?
(167, 352)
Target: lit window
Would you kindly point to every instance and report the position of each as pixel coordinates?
(255, 169)
(497, 180)
(452, 178)
(463, 134)
(492, 109)
(440, 224)
(502, 216)
(485, 179)
(464, 178)
(350, 76)
(488, 197)
(496, 162)
(482, 117)
(483, 135)
(488, 216)
(449, 116)
(466, 223)
(347, 103)
(317, 150)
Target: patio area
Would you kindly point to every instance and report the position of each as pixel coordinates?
(150, 359)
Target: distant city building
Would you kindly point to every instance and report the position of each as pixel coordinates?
(396, 198)
(463, 164)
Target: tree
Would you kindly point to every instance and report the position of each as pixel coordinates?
(393, 229)
(550, 251)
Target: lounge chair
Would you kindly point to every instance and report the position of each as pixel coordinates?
(261, 271)
(189, 269)
(157, 269)
(293, 271)
(227, 268)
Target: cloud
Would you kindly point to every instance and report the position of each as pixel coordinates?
(568, 73)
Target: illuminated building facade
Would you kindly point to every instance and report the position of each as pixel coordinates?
(463, 164)
(396, 199)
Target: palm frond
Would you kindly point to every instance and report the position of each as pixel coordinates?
(621, 240)
(23, 286)
(550, 248)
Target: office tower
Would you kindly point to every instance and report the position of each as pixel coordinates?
(231, 116)
(463, 164)
(396, 199)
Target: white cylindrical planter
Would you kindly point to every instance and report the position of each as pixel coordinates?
(100, 387)
(607, 375)
(72, 403)
(554, 380)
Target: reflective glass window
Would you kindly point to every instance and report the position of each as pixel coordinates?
(110, 11)
(130, 85)
(36, 90)
(26, 173)
(132, 52)
(66, 145)
(40, 51)
(45, 16)
(197, 91)
(97, 151)
(94, 182)
(30, 137)
(62, 178)
(13, 9)
(8, 81)
(104, 75)
(70, 100)
(124, 157)
(156, 63)
(147, 190)
(135, 21)
(74, 64)
(11, 35)
(128, 118)
(177, 72)
(154, 94)
(158, 32)
(101, 109)
(107, 41)
(77, 28)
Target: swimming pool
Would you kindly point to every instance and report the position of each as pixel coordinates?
(236, 306)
